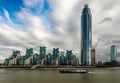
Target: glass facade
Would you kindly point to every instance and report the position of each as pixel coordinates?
(113, 53)
(35, 59)
(22, 60)
(48, 59)
(69, 57)
(74, 60)
(62, 60)
(55, 55)
(29, 52)
(86, 36)
(42, 54)
(6, 62)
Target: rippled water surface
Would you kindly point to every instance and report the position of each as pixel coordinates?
(53, 76)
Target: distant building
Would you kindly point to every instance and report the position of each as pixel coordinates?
(55, 56)
(69, 57)
(22, 60)
(77, 61)
(14, 59)
(62, 59)
(74, 60)
(49, 59)
(6, 62)
(93, 57)
(29, 57)
(86, 36)
(29, 52)
(99, 63)
(35, 59)
(42, 54)
(113, 53)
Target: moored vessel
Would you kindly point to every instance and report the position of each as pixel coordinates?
(74, 71)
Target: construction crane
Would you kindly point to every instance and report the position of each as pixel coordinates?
(94, 52)
(95, 45)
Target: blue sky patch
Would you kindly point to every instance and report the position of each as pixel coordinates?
(12, 6)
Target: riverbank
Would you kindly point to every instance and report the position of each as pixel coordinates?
(61, 67)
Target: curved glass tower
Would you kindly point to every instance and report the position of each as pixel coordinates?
(86, 36)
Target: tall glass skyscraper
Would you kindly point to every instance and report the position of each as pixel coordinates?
(113, 53)
(86, 36)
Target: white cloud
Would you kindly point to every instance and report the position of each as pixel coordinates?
(33, 2)
(6, 13)
(36, 5)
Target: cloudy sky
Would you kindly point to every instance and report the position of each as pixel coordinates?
(56, 24)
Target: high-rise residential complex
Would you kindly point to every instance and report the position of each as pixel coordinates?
(42, 58)
(113, 53)
(86, 36)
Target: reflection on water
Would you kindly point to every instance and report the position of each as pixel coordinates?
(53, 76)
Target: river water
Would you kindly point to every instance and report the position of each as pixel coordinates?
(53, 76)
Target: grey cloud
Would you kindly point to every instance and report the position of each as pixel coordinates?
(71, 29)
(107, 28)
(106, 19)
(108, 5)
(1, 60)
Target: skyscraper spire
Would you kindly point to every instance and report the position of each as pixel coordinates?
(86, 5)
